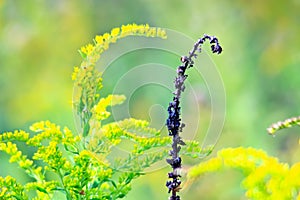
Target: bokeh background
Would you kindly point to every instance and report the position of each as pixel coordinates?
(260, 69)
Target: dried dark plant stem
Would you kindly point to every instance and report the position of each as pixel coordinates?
(174, 121)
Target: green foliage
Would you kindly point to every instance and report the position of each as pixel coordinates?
(84, 166)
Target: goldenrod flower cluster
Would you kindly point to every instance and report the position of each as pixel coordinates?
(100, 109)
(83, 171)
(265, 176)
(47, 140)
(10, 189)
(102, 42)
(88, 81)
(16, 156)
(137, 131)
(16, 135)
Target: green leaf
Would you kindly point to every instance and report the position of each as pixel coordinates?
(41, 189)
(121, 195)
(86, 129)
(114, 184)
(83, 55)
(95, 184)
(59, 189)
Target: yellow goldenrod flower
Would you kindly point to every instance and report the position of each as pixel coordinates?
(161, 33)
(115, 32)
(100, 111)
(25, 163)
(75, 72)
(104, 186)
(88, 49)
(106, 37)
(3, 191)
(99, 39)
(16, 157)
(39, 126)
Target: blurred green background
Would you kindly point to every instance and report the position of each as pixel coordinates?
(259, 67)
